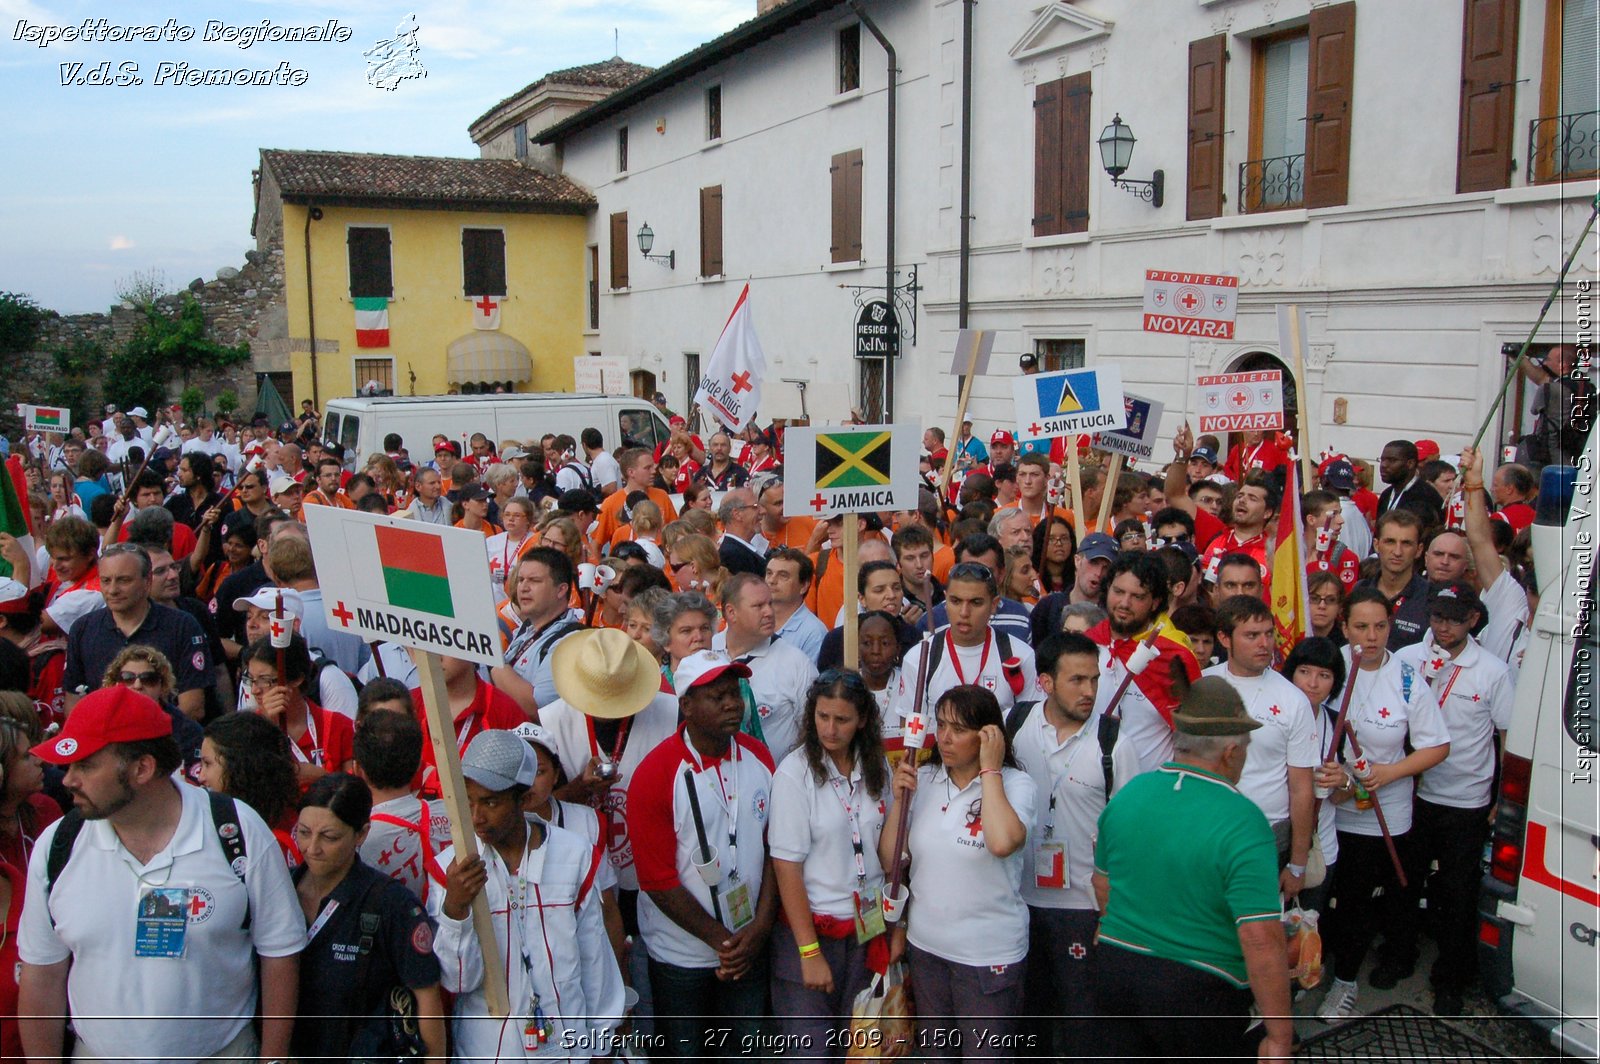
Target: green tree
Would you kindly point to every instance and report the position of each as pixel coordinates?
(20, 321)
(78, 364)
(165, 345)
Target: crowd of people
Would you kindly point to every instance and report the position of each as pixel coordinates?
(699, 831)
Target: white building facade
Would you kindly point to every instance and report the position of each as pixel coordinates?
(1412, 175)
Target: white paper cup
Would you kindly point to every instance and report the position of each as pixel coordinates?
(710, 871)
(586, 576)
(895, 904)
(630, 1000)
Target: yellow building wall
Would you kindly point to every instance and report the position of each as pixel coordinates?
(544, 307)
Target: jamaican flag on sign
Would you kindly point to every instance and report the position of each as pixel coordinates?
(852, 459)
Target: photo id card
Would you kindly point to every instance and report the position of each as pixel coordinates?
(869, 916)
(163, 922)
(1050, 866)
(741, 910)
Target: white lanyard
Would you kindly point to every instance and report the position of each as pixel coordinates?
(316, 747)
(322, 918)
(728, 796)
(852, 812)
(1057, 780)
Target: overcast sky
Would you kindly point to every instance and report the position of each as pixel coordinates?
(97, 182)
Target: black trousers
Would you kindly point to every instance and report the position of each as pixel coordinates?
(1454, 838)
(1367, 899)
(1155, 1009)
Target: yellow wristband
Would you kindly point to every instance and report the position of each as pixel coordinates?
(813, 950)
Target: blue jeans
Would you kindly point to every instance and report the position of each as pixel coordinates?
(702, 1017)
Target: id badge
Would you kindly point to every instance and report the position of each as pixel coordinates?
(740, 909)
(1050, 866)
(163, 922)
(869, 916)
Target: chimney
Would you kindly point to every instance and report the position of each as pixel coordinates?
(763, 6)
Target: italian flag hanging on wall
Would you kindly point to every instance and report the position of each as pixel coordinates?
(372, 321)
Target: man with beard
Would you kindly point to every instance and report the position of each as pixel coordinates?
(1397, 467)
(106, 918)
(1136, 593)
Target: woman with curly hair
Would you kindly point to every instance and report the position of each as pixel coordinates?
(246, 756)
(147, 670)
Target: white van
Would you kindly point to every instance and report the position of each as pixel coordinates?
(1540, 904)
(359, 424)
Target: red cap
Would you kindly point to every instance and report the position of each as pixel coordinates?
(676, 421)
(1427, 450)
(448, 445)
(1001, 436)
(113, 714)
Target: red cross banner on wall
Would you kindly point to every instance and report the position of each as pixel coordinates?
(485, 311)
(1190, 304)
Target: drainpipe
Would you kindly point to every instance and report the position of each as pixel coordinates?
(889, 164)
(313, 214)
(964, 267)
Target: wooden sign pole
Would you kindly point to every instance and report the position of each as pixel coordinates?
(1302, 434)
(1108, 495)
(453, 788)
(852, 533)
(1075, 483)
(961, 417)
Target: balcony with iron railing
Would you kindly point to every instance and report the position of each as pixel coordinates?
(1272, 184)
(1564, 147)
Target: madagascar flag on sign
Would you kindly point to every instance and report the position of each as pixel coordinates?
(414, 573)
(852, 459)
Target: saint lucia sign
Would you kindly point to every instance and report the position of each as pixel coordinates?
(418, 585)
(1074, 400)
(843, 470)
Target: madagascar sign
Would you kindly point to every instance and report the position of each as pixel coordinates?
(417, 585)
(1190, 304)
(850, 469)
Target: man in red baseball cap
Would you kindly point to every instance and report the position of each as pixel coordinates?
(168, 872)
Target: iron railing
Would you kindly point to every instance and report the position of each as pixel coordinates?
(1561, 147)
(1272, 184)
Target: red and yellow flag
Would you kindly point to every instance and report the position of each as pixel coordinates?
(1290, 607)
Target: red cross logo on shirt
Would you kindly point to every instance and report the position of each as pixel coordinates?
(1477, 698)
(1436, 663)
(344, 615)
(1077, 951)
(819, 502)
(616, 833)
(1274, 710)
(741, 383)
(974, 822)
(882, 808)
(197, 905)
(1384, 713)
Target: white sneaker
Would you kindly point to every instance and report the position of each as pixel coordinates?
(1340, 1004)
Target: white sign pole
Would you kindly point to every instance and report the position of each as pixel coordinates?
(852, 530)
(453, 788)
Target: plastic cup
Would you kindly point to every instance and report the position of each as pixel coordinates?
(894, 904)
(710, 871)
(586, 576)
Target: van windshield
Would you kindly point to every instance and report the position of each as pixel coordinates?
(330, 426)
(641, 428)
(348, 437)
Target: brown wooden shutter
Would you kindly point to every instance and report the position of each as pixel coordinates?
(845, 172)
(1048, 163)
(1329, 88)
(619, 250)
(1488, 94)
(1075, 154)
(1207, 61)
(711, 231)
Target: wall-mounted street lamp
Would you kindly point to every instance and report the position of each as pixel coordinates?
(1116, 152)
(647, 240)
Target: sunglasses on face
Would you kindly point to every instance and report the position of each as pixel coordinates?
(147, 679)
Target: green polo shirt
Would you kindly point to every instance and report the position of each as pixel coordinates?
(1189, 859)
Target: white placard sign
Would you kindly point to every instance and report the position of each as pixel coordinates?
(1073, 400)
(1240, 402)
(831, 469)
(1138, 439)
(405, 582)
(1190, 304)
(606, 374)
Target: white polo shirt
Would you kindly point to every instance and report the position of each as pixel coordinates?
(966, 903)
(1070, 785)
(779, 677)
(1474, 691)
(1505, 633)
(1286, 739)
(1383, 718)
(1143, 726)
(122, 1002)
(815, 824)
(980, 665)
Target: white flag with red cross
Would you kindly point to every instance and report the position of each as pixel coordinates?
(731, 386)
(485, 311)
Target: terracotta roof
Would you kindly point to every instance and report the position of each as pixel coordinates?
(341, 178)
(614, 73)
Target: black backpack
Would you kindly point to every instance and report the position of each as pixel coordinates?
(583, 473)
(1108, 729)
(224, 817)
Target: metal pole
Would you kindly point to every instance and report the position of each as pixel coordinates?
(889, 200)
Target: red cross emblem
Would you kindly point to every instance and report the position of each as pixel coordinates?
(1274, 710)
(1189, 299)
(915, 725)
(1436, 663)
(486, 305)
(276, 629)
(818, 503)
(882, 808)
(1077, 951)
(741, 383)
(1239, 399)
(1219, 301)
(1034, 429)
(344, 615)
(1477, 698)
(383, 858)
(1384, 713)
(616, 833)
(974, 824)
(197, 905)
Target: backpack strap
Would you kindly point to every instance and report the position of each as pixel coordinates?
(1108, 729)
(225, 818)
(424, 830)
(595, 858)
(66, 836)
(1015, 718)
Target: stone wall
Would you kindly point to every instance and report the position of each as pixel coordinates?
(237, 303)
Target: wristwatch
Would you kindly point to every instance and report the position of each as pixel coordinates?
(1296, 870)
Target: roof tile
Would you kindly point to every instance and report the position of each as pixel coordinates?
(422, 179)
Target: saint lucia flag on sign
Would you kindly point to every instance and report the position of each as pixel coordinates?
(852, 459)
(1070, 394)
(415, 576)
(1077, 400)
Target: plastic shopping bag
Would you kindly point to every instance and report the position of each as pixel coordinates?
(881, 1019)
(1305, 946)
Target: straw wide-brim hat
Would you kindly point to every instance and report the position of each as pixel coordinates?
(605, 674)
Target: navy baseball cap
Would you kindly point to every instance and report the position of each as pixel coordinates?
(1098, 545)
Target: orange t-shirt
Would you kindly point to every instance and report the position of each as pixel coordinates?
(1062, 511)
(796, 532)
(826, 597)
(611, 512)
